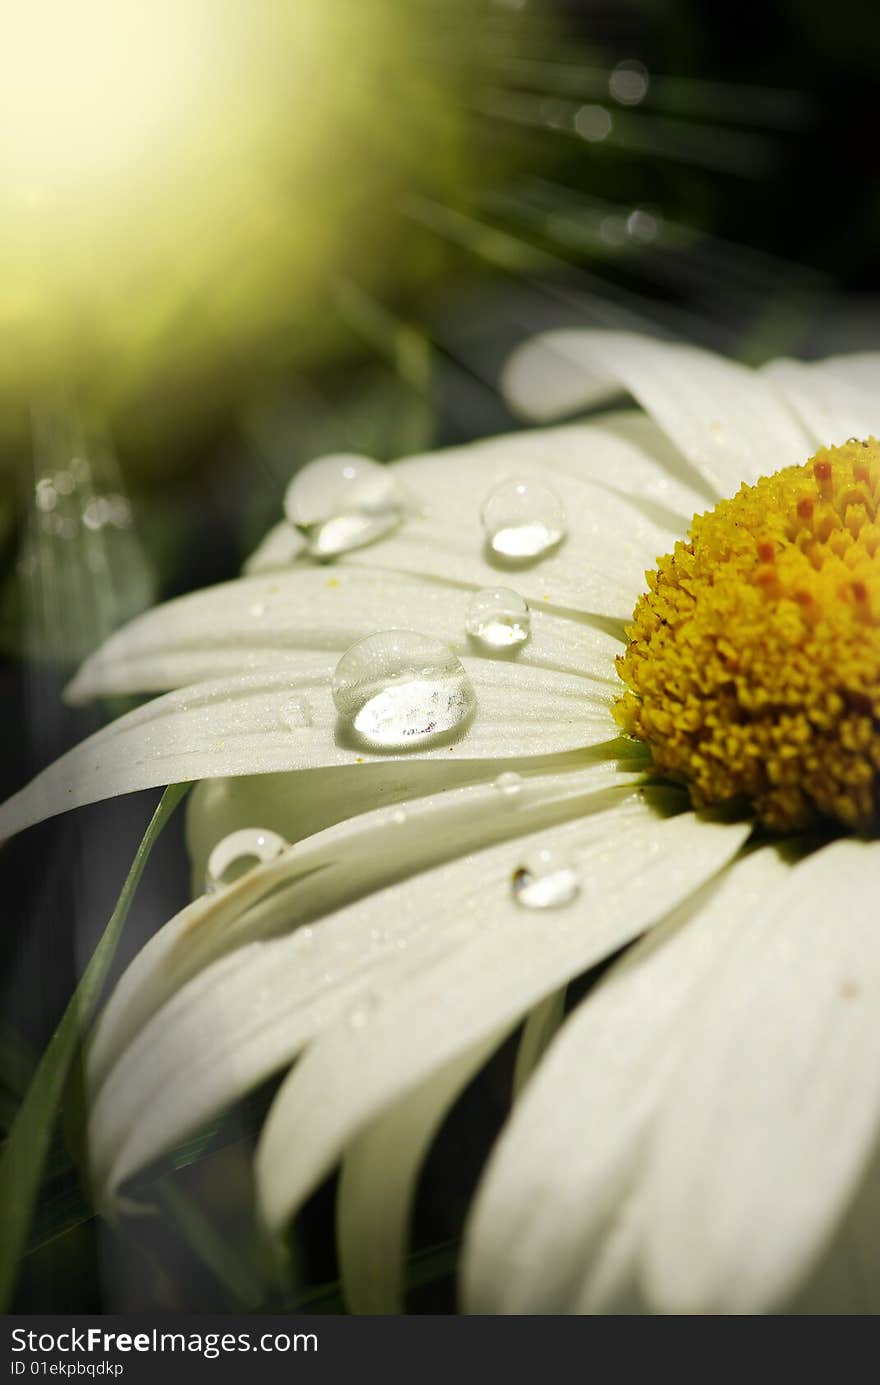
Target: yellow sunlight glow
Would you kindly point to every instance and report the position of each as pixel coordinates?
(86, 86)
(182, 180)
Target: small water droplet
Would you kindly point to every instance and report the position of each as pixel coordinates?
(398, 817)
(344, 501)
(546, 881)
(498, 619)
(398, 688)
(523, 520)
(360, 1013)
(240, 852)
(257, 609)
(296, 714)
(509, 784)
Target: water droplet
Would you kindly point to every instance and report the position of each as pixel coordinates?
(498, 619)
(257, 609)
(546, 881)
(296, 714)
(523, 519)
(343, 501)
(509, 784)
(398, 817)
(398, 688)
(360, 1012)
(238, 853)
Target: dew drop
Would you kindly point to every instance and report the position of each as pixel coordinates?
(546, 881)
(523, 520)
(360, 1013)
(296, 714)
(509, 784)
(344, 501)
(236, 854)
(398, 688)
(498, 619)
(398, 817)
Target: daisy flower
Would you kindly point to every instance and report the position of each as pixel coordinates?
(468, 750)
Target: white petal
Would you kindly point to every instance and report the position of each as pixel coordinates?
(727, 420)
(362, 853)
(507, 960)
(598, 569)
(623, 451)
(833, 406)
(273, 996)
(627, 452)
(268, 622)
(846, 1279)
(378, 1182)
(300, 804)
(250, 724)
(861, 369)
(539, 1031)
(555, 1225)
(627, 493)
(770, 1123)
(280, 548)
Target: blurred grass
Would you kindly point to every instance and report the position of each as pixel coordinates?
(27, 1143)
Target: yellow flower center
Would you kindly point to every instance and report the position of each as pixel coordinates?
(753, 663)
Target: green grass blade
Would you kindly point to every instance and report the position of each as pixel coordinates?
(17, 1060)
(24, 1154)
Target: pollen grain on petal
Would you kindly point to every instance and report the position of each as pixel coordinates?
(753, 663)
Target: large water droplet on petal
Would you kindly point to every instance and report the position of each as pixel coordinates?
(547, 880)
(398, 689)
(498, 619)
(523, 520)
(343, 501)
(240, 852)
